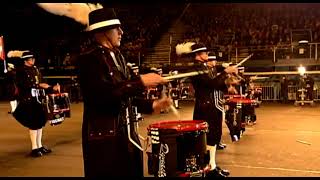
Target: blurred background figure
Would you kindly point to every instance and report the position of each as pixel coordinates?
(12, 90)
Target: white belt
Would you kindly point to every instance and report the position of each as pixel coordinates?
(37, 92)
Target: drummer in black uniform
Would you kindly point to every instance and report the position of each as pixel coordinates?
(309, 87)
(30, 111)
(110, 144)
(218, 96)
(243, 85)
(204, 108)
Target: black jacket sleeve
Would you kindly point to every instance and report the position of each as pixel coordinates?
(211, 83)
(220, 68)
(102, 84)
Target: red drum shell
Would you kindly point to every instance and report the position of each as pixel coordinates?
(234, 96)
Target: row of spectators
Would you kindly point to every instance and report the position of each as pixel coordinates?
(250, 24)
(222, 25)
(144, 25)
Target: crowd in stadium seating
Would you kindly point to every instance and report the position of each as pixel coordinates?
(143, 26)
(251, 24)
(224, 24)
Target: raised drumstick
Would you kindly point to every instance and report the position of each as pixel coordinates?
(182, 75)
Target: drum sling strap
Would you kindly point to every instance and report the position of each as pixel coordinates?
(121, 66)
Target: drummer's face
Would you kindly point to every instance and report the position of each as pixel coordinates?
(114, 37)
(29, 62)
(202, 56)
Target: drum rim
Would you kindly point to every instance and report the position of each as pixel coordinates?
(234, 96)
(242, 100)
(197, 125)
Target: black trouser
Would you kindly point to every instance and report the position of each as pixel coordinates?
(234, 114)
(204, 109)
(284, 94)
(219, 119)
(310, 93)
(215, 129)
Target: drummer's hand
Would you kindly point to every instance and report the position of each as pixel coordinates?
(211, 63)
(231, 80)
(162, 103)
(44, 85)
(232, 90)
(235, 82)
(231, 69)
(56, 87)
(152, 79)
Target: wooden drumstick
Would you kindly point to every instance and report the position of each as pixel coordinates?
(182, 75)
(244, 60)
(59, 87)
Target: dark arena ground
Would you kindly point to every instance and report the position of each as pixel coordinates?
(284, 142)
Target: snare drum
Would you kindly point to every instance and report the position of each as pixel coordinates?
(60, 103)
(233, 119)
(57, 108)
(237, 115)
(178, 147)
(248, 110)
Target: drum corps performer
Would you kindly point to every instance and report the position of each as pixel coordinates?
(30, 111)
(109, 93)
(205, 109)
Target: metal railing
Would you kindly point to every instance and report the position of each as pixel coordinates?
(273, 92)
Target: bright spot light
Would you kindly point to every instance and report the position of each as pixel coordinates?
(301, 70)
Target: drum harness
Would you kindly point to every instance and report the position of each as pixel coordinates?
(218, 101)
(129, 118)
